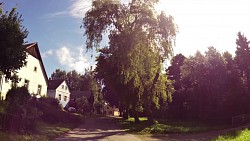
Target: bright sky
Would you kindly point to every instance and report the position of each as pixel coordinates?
(55, 25)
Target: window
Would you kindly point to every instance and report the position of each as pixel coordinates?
(59, 97)
(26, 83)
(39, 89)
(65, 98)
(25, 64)
(35, 69)
(66, 87)
(6, 80)
(62, 86)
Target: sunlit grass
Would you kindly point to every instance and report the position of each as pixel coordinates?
(242, 135)
(166, 126)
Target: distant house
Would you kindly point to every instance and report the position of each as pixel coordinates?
(59, 89)
(32, 75)
(110, 111)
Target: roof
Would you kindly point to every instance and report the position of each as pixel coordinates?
(54, 84)
(32, 49)
(79, 94)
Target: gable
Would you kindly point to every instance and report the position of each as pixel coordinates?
(63, 87)
(33, 50)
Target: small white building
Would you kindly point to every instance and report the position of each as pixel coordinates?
(59, 89)
(110, 111)
(32, 75)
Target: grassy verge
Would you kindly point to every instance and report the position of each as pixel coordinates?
(166, 126)
(46, 132)
(240, 135)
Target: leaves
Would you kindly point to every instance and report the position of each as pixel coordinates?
(13, 33)
(140, 40)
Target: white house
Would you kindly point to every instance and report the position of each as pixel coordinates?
(32, 75)
(59, 89)
(110, 111)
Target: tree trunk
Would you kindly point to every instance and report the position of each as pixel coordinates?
(150, 116)
(136, 118)
(135, 115)
(125, 114)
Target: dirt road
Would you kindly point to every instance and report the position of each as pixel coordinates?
(104, 129)
(98, 129)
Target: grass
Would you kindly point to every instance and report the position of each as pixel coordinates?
(166, 126)
(46, 132)
(241, 135)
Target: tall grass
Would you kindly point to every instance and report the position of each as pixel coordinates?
(242, 135)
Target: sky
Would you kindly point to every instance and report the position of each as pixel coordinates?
(55, 26)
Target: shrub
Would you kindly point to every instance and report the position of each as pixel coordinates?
(53, 113)
(20, 115)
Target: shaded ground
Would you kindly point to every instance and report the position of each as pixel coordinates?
(98, 129)
(104, 129)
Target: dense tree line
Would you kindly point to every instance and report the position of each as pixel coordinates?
(211, 87)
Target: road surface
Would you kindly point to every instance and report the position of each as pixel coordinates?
(98, 129)
(104, 129)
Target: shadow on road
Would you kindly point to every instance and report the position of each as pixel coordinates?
(98, 129)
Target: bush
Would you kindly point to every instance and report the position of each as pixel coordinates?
(49, 101)
(53, 113)
(20, 115)
(16, 99)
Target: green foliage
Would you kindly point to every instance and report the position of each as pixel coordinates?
(17, 99)
(130, 67)
(242, 135)
(165, 126)
(13, 33)
(242, 58)
(210, 87)
(53, 113)
(83, 105)
(20, 114)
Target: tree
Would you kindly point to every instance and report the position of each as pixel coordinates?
(73, 79)
(83, 105)
(13, 33)
(58, 74)
(140, 40)
(242, 57)
(174, 71)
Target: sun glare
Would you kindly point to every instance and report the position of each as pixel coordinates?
(207, 23)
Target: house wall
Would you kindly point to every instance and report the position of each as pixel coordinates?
(28, 72)
(111, 111)
(63, 90)
(51, 93)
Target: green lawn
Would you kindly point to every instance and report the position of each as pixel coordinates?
(241, 135)
(46, 132)
(166, 126)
